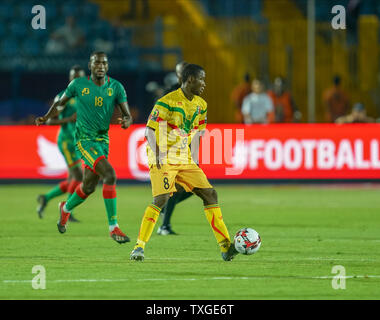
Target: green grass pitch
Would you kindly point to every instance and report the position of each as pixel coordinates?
(305, 232)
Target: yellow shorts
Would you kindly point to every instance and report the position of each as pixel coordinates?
(189, 176)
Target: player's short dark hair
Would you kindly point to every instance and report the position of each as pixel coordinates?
(98, 53)
(191, 70)
(77, 68)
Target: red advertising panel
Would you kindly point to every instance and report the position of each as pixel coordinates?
(299, 151)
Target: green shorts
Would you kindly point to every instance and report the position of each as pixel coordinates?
(69, 152)
(92, 152)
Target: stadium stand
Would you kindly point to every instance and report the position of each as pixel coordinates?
(265, 38)
(98, 32)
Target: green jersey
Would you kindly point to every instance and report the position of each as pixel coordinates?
(95, 107)
(67, 129)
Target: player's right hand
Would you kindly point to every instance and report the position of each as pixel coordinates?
(160, 158)
(40, 120)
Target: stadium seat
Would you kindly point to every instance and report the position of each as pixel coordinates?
(89, 10)
(24, 10)
(69, 9)
(9, 47)
(31, 47)
(17, 30)
(58, 22)
(41, 34)
(51, 12)
(102, 29)
(6, 111)
(2, 30)
(228, 8)
(6, 12)
(85, 25)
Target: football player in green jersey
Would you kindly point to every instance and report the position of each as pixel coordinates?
(98, 95)
(66, 144)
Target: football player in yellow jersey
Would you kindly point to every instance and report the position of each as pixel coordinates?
(181, 195)
(173, 131)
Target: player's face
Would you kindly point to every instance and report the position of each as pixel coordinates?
(99, 66)
(76, 74)
(199, 83)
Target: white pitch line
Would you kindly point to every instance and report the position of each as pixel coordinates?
(197, 279)
(348, 277)
(270, 260)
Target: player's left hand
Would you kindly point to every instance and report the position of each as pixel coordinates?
(125, 122)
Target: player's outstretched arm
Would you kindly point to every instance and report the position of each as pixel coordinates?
(56, 121)
(126, 119)
(53, 111)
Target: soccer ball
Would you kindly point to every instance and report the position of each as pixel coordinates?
(247, 241)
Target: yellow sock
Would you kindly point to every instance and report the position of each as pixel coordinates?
(215, 218)
(147, 225)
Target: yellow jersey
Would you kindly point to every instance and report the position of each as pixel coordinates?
(175, 120)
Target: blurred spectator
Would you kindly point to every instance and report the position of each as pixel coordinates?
(238, 94)
(375, 95)
(132, 14)
(284, 107)
(122, 34)
(336, 101)
(66, 38)
(173, 80)
(357, 115)
(155, 90)
(257, 106)
(353, 12)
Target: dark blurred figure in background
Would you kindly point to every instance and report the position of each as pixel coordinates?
(257, 106)
(172, 81)
(238, 94)
(65, 39)
(284, 107)
(175, 82)
(132, 14)
(357, 115)
(353, 12)
(335, 101)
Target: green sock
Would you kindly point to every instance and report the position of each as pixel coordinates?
(111, 211)
(109, 195)
(58, 190)
(75, 199)
(55, 192)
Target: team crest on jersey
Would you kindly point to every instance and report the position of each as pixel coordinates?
(154, 115)
(110, 91)
(179, 103)
(85, 91)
